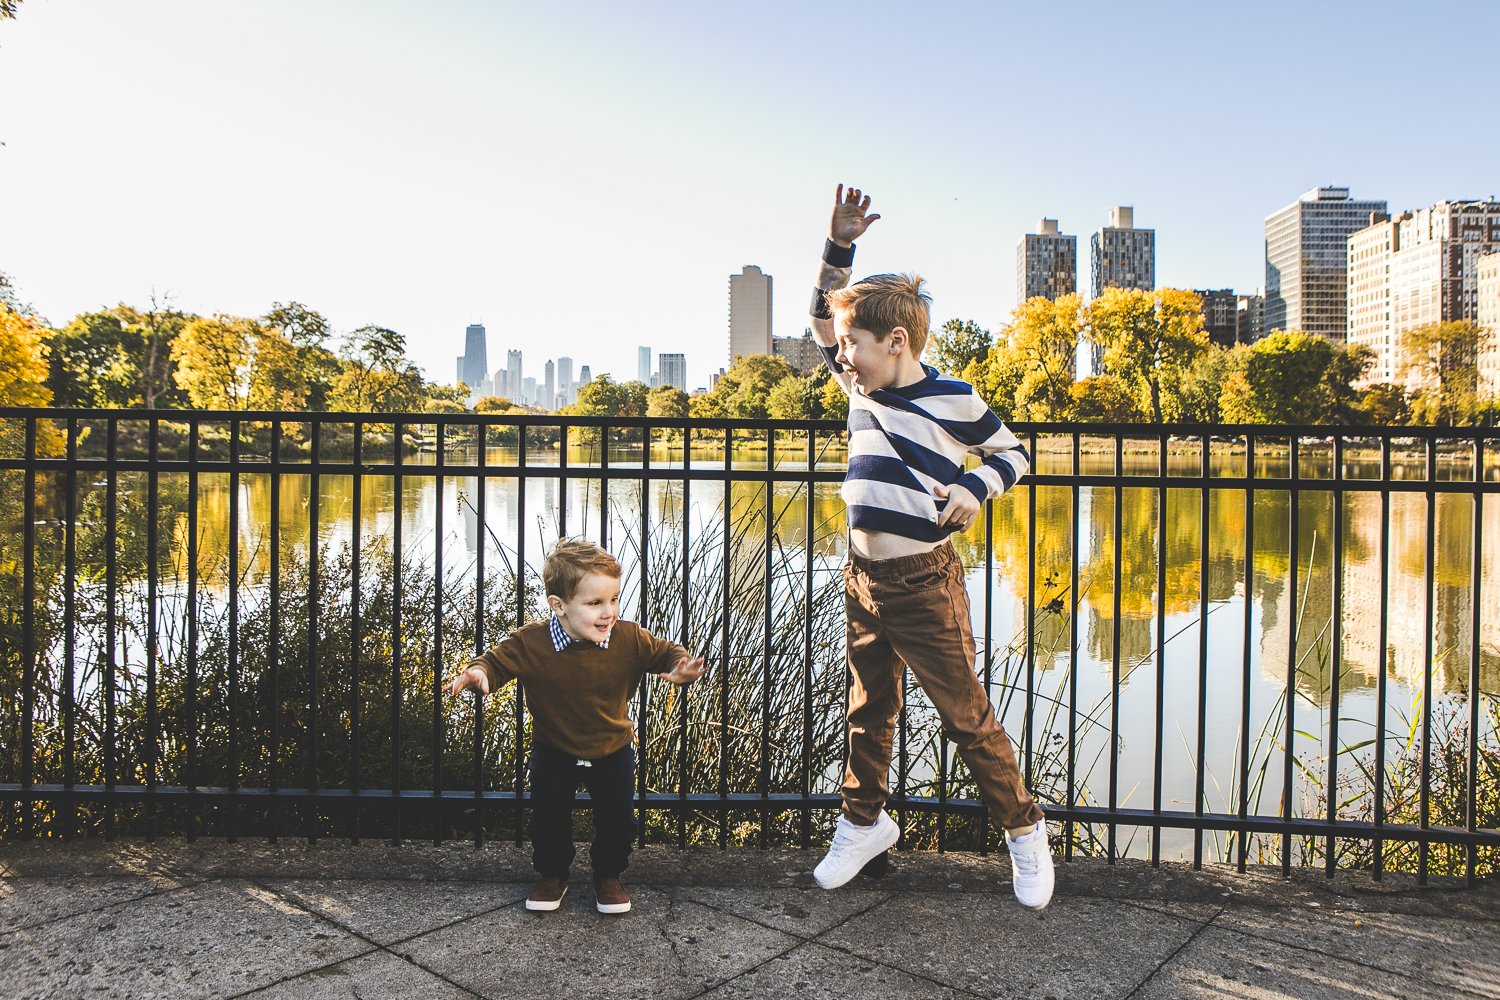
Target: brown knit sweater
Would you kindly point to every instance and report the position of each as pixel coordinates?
(579, 698)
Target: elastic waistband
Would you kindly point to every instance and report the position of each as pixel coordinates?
(902, 565)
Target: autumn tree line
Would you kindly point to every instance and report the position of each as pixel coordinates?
(1157, 366)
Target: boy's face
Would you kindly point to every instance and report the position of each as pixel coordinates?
(593, 609)
(872, 364)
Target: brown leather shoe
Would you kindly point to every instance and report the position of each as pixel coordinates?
(610, 895)
(548, 893)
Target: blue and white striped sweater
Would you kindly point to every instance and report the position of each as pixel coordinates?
(905, 441)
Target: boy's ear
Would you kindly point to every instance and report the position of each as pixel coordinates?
(898, 339)
(555, 603)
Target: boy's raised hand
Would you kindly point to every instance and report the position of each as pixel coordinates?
(472, 677)
(686, 671)
(850, 218)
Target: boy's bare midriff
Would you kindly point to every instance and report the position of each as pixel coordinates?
(884, 545)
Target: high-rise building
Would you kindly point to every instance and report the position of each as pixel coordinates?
(1250, 317)
(1220, 315)
(1307, 260)
(1122, 256)
(565, 380)
(673, 370)
(528, 390)
(584, 378)
(1487, 315)
(515, 390)
(549, 386)
(1417, 269)
(802, 353)
(749, 312)
(474, 362)
(643, 365)
(1046, 263)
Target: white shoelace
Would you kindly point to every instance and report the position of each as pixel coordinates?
(843, 843)
(1027, 861)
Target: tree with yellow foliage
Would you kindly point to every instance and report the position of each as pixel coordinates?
(1150, 340)
(23, 378)
(215, 358)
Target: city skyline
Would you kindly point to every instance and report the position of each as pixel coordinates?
(425, 190)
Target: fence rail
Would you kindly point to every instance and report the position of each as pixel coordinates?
(289, 680)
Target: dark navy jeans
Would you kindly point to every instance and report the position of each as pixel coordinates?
(555, 777)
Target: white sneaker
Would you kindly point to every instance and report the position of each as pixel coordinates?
(1031, 868)
(852, 848)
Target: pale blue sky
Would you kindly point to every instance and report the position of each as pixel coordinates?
(584, 177)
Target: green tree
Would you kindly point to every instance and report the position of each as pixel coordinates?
(1202, 385)
(604, 397)
(957, 345)
(1444, 359)
(94, 362)
(376, 374)
(308, 332)
(1150, 339)
(795, 398)
(747, 386)
(1285, 372)
(1384, 405)
(1345, 368)
(666, 401)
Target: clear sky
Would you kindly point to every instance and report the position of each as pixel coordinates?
(583, 177)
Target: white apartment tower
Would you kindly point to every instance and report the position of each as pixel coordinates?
(1046, 263)
(1306, 261)
(673, 369)
(1418, 269)
(749, 312)
(1487, 314)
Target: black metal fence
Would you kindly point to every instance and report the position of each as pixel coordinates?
(239, 623)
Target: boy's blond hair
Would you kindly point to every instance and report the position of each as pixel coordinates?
(572, 559)
(882, 302)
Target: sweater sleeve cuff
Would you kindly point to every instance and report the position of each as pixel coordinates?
(974, 485)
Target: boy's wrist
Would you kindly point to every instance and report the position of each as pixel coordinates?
(837, 253)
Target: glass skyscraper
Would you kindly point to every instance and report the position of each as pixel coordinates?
(1307, 260)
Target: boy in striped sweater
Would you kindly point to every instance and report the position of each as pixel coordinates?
(907, 490)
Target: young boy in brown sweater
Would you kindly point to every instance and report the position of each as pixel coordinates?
(579, 669)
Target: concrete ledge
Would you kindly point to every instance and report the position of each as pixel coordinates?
(213, 919)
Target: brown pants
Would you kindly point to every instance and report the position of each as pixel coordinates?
(914, 612)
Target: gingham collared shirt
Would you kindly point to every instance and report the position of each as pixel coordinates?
(562, 640)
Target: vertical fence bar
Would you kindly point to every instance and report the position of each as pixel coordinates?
(191, 777)
(436, 808)
(70, 630)
(1476, 573)
(274, 651)
(28, 628)
(764, 779)
(1336, 658)
(643, 704)
(1073, 603)
(685, 637)
(1245, 666)
(1028, 741)
(397, 596)
(314, 481)
(1294, 554)
(989, 647)
(1428, 594)
(1114, 649)
(356, 657)
(1161, 641)
(480, 459)
(518, 805)
(562, 486)
(603, 489)
(1204, 500)
(153, 642)
(234, 625)
(724, 642)
(805, 833)
(111, 632)
(1378, 846)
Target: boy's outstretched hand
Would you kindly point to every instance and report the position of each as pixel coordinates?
(686, 671)
(850, 218)
(474, 678)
